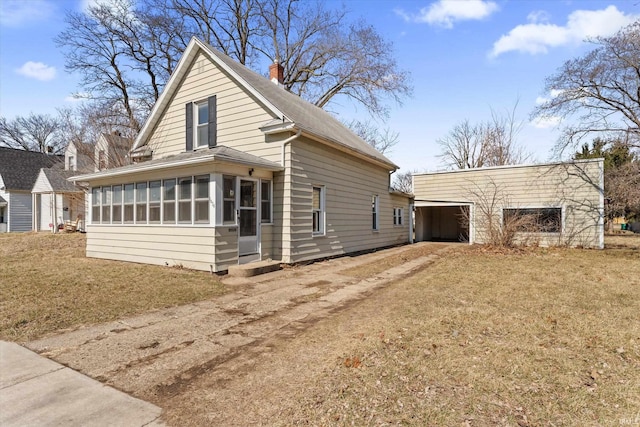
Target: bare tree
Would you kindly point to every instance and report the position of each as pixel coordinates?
(403, 181)
(126, 50)
(621, 177)
(490, 143)
(35, 132)
(600, 90)
(382, 140)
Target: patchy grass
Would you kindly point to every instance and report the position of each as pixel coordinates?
(380, 265)
(537, 337)
(47, 284)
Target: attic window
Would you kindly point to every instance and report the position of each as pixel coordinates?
(201, 124)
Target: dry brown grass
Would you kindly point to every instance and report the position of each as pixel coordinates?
(47, 284)
(538, 337)
(380, 265)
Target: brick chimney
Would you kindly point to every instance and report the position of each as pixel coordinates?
(276, 73)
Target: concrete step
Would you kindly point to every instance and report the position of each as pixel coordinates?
(253, 268)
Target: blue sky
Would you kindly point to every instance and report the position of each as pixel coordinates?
(465, 58)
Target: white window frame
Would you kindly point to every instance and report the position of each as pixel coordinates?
(269, 199)
(96, 195)
(197, 200)
(398, 216)
(319, 212)
(230, 199)
(197, 143)
(375, 212)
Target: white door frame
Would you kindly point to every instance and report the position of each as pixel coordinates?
(248, 246)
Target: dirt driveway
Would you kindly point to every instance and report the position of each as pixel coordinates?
(159, 354)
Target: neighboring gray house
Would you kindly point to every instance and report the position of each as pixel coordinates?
(231, 168)
(55, 198)
(19, 170)
(545, 204)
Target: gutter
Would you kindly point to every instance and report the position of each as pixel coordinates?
(287, 141)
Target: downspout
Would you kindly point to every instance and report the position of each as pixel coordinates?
(287, 141)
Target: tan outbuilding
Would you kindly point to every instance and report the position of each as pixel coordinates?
(543, 204)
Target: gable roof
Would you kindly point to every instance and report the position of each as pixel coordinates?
(58, 180)
(20, 169)
(283, 104)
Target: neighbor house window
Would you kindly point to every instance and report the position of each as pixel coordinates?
(536, 220)
(201, 200)
(202, 124)
(71, 166)
(95, 205)
(141, 203)
(106, 205)
(128, 203)
(398, 215)
(229, 199)
(265, 202)
(184, 199)
(317, 206)
(374, 212)
(116, 212)
(169, 208)
(155, 190)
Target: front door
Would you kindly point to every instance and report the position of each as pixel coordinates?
(248, 218)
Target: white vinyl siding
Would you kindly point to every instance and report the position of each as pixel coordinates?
(349, 183)
(203, 247)
(239, 116)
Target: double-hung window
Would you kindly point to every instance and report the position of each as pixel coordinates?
(202, 124)
(128, 203)
(375, 201)
(95, 205)
(155, 190)
(318, 209)
(398, 215)
(141, 203)
(201, 199)
(265, 202)
(169, 208)
(184, 200)
(229, 199)
(116, 197)
(106, 205)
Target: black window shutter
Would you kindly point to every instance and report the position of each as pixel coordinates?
(213, 122)
(189, 126)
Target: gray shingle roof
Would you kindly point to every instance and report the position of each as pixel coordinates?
(58, 180)
(305, 115)
(215, 154)
(20, 169)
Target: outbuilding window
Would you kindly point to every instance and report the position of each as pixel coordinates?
(534, 220)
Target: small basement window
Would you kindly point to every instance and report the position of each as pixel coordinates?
(533, 220)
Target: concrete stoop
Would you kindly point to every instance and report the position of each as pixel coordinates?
(253, 269)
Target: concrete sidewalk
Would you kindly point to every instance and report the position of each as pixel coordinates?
(35, 390)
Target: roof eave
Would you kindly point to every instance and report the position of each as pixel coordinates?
(344, 148)
(171, 165)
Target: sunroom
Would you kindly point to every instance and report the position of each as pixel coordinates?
(205, 210)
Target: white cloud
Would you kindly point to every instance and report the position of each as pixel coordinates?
(539, 35)
(552, 94)
(445, 12)
(15, 13)
(546, 122)
(37, 70)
